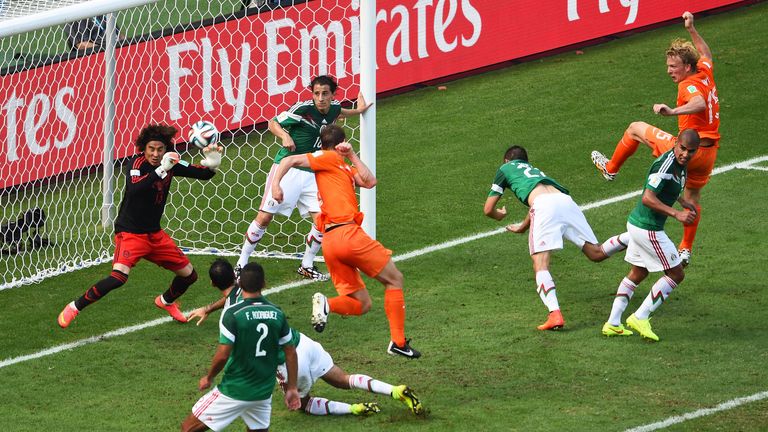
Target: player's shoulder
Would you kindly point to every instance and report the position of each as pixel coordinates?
(665, 163)
(705, 63)
(301, 107)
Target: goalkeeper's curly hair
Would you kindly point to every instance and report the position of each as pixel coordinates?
(156, 132)
(685, 51)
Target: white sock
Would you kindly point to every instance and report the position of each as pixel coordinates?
(252, 237)
(623, 296)
(615, 244)
(545, 286)
(364, 382)
(322, 406)
(659, 292)
(314, 241)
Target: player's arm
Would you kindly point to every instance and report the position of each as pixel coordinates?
(696, 38)
(217, 364)
(360, 107)
(292, 399)
(694, 105)
(278, 131)
(295, 161)
(364, 176)
(207, 168)
(144, 176)
(650, 200)
(521, 227)
(490, 209)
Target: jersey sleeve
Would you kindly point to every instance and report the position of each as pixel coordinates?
(687, 90)
(185, 169)
(286, 334)
(498, 185)
(292, 116)
(227, 328)
(655, 180)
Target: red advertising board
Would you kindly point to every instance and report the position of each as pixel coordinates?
(244, 71)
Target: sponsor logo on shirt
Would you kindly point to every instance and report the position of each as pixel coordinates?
(692, 89)
(654, 180)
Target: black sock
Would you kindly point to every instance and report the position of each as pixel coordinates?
(179, 286)
(116, 279)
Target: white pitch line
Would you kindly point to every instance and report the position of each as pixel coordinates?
(733, 403)
(406, 256)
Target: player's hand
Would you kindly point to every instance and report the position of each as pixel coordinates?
(662, 109)
(502, 212)
(686, 216)
(204, 383)
(688, 18)
(198, 313)
(277, 193)
(344, 148)
(288, 143)
(212, 153)
(362, 106)
(517, 228)
(292, 399)
(169, 160)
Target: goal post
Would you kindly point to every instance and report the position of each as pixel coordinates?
(70, 120)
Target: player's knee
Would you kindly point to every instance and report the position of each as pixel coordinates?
(192, 278)
(677, 274)
(637, 129)
(365, 305)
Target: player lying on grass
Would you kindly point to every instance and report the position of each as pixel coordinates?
(553, 215)
(313, 361)
(137, 227)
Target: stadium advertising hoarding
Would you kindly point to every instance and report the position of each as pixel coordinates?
(241, 72)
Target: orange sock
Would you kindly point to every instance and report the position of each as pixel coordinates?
(624, 149)
(689, 231)
(345, 305)
(394, 307)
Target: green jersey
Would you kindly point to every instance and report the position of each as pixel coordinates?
(520, 177)
(666, 179)
(257, 330)
(294, 341)
(303, 122)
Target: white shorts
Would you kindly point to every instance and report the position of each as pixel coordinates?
(314, 362)
(218, 410)
(651, 250)
(556, 216)
(299, 190)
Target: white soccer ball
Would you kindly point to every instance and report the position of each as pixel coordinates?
(203, 133)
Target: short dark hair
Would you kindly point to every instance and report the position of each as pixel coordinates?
(156, 132)
(222, 274)
(689, 136)
(516, 153)
(324, 80)
(332, 135)
(252, 277)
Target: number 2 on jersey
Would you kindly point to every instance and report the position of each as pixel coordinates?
(263, 330)
(530, 171)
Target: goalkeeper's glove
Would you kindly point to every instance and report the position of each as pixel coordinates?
(212, 157)
(169, 160)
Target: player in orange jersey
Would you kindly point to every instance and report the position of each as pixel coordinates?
(346, 247)
(690, 66)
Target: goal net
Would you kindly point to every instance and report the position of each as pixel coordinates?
(63, 161)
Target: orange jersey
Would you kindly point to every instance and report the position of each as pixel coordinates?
(335, 186)
(702, 83)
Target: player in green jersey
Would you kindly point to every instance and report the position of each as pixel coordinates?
(649, 249)
(313, 361)
(553, 215)
(253, 332)
(299, 131)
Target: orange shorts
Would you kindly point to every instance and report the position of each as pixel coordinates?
(348, 248)
(699, 168)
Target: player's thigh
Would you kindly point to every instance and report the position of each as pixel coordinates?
(130, 248)
(577, 229)
(345, 277)
(546, 230)
(652, 250)
(257, 414)
(320, 362)
(700, 167)
(658, 140)
(291, 191)
(165, 253)
(308, 202)
(365, 253)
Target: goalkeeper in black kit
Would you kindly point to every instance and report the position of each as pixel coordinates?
(137, 228)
